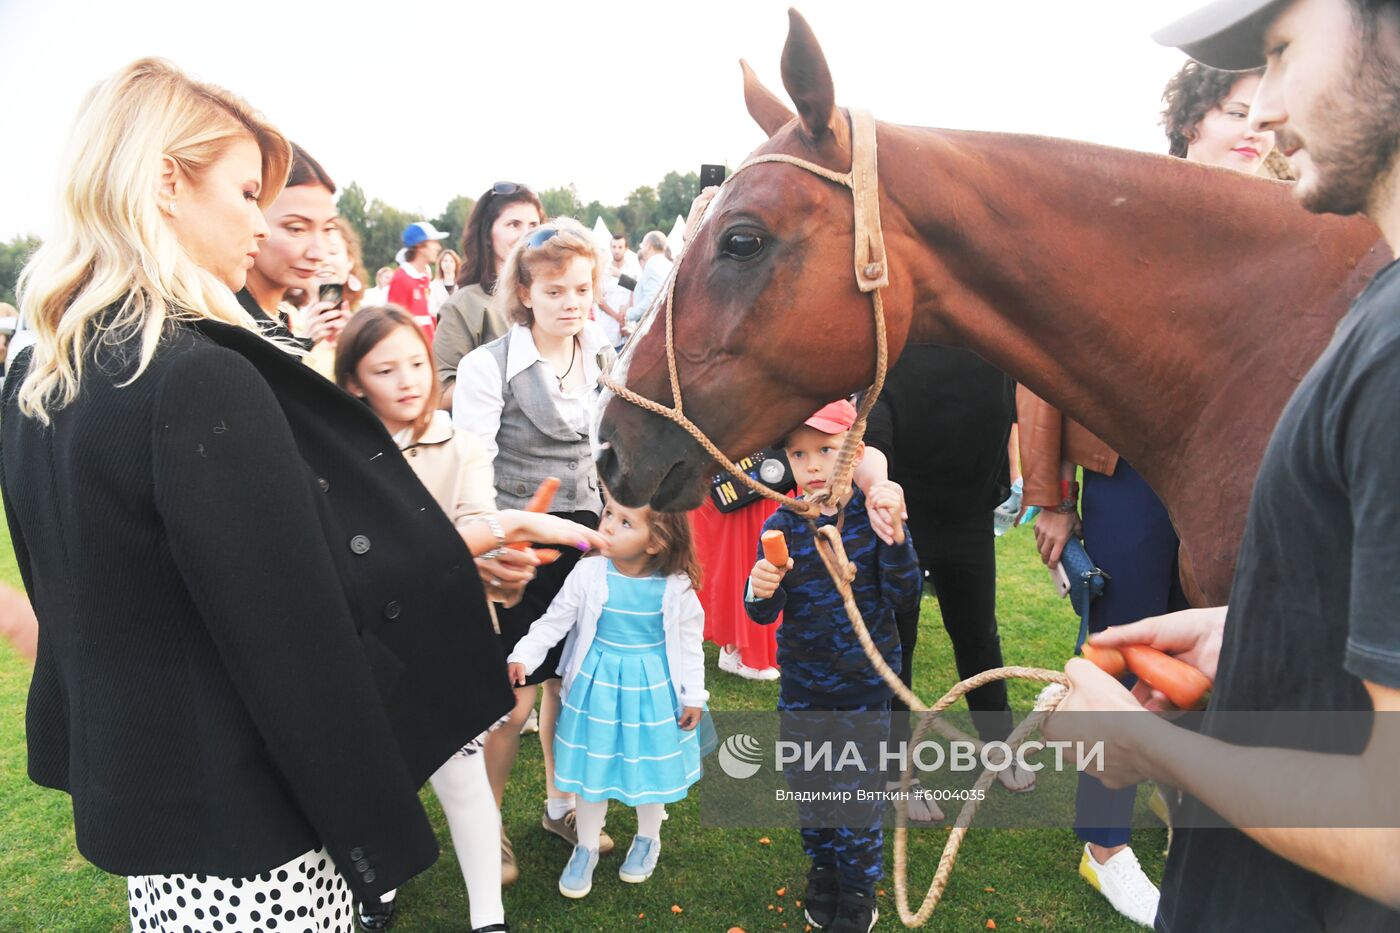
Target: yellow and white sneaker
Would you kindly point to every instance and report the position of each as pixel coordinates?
(1123, 882)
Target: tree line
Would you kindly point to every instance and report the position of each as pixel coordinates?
(649, 207)
(380, 225)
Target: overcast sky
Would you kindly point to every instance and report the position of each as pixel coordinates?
(421, 102)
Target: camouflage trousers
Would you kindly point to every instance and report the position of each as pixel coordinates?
(839, 830)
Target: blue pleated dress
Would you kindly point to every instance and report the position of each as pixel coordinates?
(617, 737)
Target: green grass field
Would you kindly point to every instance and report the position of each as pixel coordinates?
(1020, 879)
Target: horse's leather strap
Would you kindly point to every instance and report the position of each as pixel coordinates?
(872, 271)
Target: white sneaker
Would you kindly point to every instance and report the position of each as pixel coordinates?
(730, 663)
(1122, 881)
(532, 723)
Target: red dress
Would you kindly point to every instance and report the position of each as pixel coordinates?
(727, 545)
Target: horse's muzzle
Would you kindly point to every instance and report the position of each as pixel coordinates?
(661, 467)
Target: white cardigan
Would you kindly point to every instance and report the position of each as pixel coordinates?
(575, 611)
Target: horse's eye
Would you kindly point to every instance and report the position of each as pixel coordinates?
(742, 245)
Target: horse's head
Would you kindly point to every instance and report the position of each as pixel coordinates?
(769, 324)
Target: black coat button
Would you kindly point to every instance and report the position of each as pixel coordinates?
(324, 483)
(359, 544)
(362, 866)
(392, 610)
(356, 854)
(369, 877)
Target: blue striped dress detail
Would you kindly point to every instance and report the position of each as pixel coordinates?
(617, 737)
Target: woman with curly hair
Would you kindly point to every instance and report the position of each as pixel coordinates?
(1206, 116)
(1125, 527)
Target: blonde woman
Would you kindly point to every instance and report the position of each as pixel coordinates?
(230, 564)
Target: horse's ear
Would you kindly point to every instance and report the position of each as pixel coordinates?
(808, 81)
(767, 110)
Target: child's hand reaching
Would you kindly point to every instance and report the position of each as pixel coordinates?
(517, 673)
(885, 503)
(764, 578)
(690, 717)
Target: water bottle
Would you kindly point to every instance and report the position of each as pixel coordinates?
(1004, 515)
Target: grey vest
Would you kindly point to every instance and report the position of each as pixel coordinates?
(534, 442)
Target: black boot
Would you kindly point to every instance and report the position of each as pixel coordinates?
(823, 891)
(855, 913)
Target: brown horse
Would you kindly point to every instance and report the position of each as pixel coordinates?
(1170, 307)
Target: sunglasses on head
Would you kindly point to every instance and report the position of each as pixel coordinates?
(504, 188)
(540, 236)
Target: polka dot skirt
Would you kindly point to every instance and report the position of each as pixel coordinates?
(306, 895)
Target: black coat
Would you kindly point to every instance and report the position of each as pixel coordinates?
(258, 631)
(943, 420)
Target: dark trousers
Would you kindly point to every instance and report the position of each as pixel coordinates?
(1128, 534)
(855, 852)
(959, 559)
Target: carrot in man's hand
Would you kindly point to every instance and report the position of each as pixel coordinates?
(775, 549)
(1186, 687)
(1109, 660)
(1181, 683)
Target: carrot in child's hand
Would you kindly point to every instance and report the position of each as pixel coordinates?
(547, 555)
(1109, 660)
(540, 502)
(775, 549)
(1181, 683)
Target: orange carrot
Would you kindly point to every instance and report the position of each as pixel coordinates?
(775, 549)
(540, 502)
(547, 555)
(544, 495)
(1181, 683)
(1109, 660)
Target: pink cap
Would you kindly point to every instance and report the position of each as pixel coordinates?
(834, 418)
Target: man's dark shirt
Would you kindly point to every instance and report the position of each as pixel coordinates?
(1315, 610)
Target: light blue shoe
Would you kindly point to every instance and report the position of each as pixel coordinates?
(577, 879)
(641, 860)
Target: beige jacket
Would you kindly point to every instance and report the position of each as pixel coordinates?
(454, 466)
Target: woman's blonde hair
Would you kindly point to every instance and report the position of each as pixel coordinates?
(526, 262)
(112, 248)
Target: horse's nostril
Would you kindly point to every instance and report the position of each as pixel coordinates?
(606, 462)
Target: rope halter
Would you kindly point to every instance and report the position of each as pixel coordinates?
(872, 274)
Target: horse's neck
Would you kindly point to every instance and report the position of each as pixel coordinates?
(1036, 253)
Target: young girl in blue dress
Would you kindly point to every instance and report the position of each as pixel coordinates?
(633, 687)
